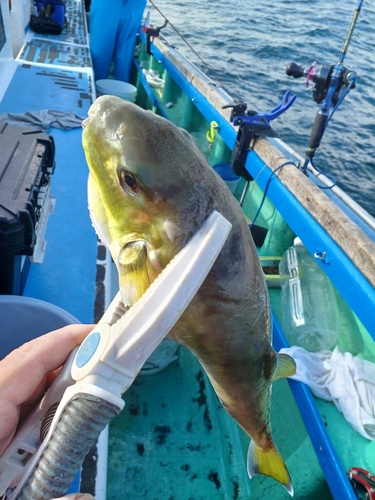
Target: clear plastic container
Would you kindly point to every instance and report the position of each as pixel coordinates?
(309, 306)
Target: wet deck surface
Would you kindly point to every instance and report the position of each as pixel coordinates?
(174, 440)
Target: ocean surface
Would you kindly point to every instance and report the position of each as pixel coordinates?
(248, 45)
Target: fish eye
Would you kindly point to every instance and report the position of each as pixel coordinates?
(128, 181)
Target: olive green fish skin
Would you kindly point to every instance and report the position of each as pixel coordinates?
(227, 325)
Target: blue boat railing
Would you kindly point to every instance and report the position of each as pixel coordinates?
(330, 463)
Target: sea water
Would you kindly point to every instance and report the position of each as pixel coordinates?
(248, 45)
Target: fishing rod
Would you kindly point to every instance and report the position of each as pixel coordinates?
(167, 21)
(332, 84)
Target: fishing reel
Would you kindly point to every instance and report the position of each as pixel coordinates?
(321, 77)
(363, 483)
(332, 84)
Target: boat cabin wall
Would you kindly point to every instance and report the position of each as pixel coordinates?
(16, 16)
(5, 34)
(7, 64)
(14, 24)
(19, 23)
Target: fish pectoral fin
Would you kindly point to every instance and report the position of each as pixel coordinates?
(286, 366)
(133, 274)
(270, 463)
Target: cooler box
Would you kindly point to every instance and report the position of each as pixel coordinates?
(26, 166)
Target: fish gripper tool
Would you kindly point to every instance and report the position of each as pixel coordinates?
(252, 124)
(88, 390)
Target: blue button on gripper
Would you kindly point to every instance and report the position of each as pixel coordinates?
(87, 349)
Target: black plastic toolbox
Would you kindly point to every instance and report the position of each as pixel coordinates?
(27, 162)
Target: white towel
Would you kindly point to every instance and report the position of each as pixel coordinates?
(345, 379)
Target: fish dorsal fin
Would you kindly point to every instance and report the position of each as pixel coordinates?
(286, 366)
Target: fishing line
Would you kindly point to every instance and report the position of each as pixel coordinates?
(289, 162)
(188, 44)
(350, 85)
(334, 182)
(256, 178)
(246, 187)
(253, 184)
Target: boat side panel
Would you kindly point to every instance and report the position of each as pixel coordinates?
(345, 441)
(360, 295)
(328, 457)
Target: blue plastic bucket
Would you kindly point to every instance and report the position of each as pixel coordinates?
(226, 173)
(23, 319)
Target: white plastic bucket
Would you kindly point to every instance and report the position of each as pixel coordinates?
(126, 91)
(164, 355)
(23, 319)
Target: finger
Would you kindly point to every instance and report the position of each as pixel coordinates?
(23, 370)
(28, 405)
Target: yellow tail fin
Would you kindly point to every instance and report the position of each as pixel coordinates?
(269, 463)
(286, 366)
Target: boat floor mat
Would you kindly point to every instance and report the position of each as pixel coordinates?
(74, 90)
(56, 54)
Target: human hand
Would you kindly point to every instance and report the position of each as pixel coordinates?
(27, 372)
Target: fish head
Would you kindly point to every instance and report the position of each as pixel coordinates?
(144, 189)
